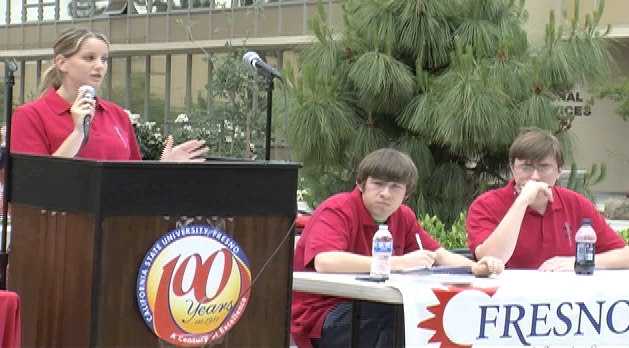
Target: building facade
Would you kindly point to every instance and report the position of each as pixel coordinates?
(160, 48)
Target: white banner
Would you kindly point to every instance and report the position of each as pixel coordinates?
(519, 308)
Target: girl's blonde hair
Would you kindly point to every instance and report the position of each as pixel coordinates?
(68, 43)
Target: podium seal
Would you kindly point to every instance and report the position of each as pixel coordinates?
(193, 285)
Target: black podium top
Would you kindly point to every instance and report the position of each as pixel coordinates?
(217, 187)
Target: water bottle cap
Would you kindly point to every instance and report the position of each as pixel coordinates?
(586, 221)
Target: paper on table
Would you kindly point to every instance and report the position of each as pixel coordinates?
(465, 270)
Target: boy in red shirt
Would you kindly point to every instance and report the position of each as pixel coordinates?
(531, 223)
(337, 239)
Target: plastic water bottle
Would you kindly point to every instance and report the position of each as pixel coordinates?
(585, 241)
(381, 251)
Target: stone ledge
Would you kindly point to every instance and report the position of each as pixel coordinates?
(616, 208)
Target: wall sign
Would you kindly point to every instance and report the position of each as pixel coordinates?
(572, 103)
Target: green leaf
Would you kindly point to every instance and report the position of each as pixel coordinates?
(424, 31)
(447, 181)
(323, 123)
(367, 139)
(454, 237)
(474, 112)
(618, 92)
(323, 182)
(319, 132)
(568, 146)
(323, 56)
(373, 23)
(592, 56)
(538, 111)
(383, 84)
(420, 115)
(482, 35)
(514, 77)
(418, 149)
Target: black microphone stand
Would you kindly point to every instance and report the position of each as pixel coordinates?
(9, 81)
(269, 116)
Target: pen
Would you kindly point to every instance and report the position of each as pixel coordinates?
(419, 242)
(567, 231)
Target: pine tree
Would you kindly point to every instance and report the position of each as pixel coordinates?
(451, 82)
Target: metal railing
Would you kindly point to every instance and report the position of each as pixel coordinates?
(16, 12)
(157, 87)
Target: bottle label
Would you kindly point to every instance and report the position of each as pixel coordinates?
(585, 252)
(382, 247)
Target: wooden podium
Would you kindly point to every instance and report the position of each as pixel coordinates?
(80, 231)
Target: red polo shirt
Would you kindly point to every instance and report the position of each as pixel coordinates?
(541, 236)
(41, 126)
(342, 223)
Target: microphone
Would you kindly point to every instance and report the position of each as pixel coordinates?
(90, 93)
(254, 60)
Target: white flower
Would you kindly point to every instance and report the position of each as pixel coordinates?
(135, 118)
(182, 118)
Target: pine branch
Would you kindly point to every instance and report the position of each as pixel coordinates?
(449, 82)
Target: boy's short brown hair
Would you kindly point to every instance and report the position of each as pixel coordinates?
(535, 144)
(389, 165)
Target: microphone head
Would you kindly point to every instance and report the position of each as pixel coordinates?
(249, 57)
(89, 91)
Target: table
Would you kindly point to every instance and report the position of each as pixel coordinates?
(517, 308)
(9, 319)
(346, 286)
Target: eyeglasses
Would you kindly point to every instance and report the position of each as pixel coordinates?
(543, 169)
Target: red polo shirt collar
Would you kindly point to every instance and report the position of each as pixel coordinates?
(60, 105)
(365, 216)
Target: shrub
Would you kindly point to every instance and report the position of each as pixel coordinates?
(624, 234)
(453, 238)
(456, 236)
(150, 139)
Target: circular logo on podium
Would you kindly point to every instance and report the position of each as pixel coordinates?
(193, 285)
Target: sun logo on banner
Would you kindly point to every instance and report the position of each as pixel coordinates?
(193, 285)
(441, 313)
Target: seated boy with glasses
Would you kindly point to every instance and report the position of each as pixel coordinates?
(531, 223)
(338, 237)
